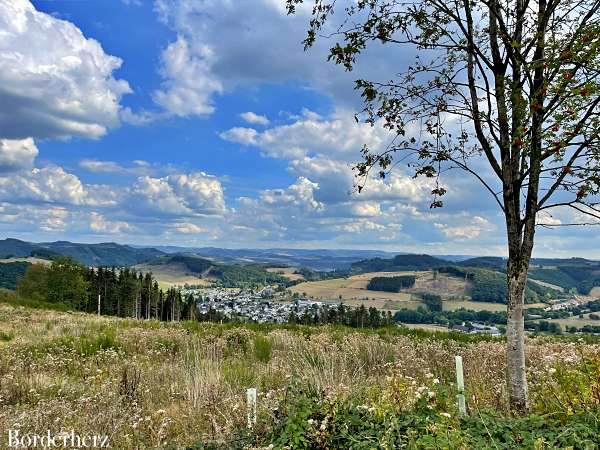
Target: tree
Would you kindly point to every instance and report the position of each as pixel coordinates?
(66, 283)
(506, 91)
(34, 284)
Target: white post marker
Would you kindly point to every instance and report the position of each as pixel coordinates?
(98, 304)
(251, 401)
(460, 384)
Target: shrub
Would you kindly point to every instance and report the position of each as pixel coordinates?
(262, 348)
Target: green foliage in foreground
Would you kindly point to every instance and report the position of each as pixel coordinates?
(12, 299)
(312, 424)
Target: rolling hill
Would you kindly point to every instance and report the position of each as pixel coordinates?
(198, 268)
(103, 254)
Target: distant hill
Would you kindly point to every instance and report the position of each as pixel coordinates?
(399, 263)
(313, 259)
(104, 254)
(228, 275)
(487, 281)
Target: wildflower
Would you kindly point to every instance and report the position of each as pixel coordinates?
(436, 381)
(552, 370)
(311, 421)
(445, 414)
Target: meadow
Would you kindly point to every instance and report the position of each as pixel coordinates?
(149, 384)
(353, 291)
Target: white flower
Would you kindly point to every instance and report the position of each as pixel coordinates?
(445, 414)
(552, 370)
(436, 381)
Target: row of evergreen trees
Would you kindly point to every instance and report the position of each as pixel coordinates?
(116, 292)
(360, 317)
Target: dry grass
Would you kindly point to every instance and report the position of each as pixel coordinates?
(173, 275)
(353, 291)
(147, 383)
(453, 305)
(351, 288)
(287, 272)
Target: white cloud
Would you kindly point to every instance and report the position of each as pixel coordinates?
(189, 228)
(366, 209)
(254, 118)
(300, 194)
(99, 224)
(54, 82)
(137, 167)
(239, 38)
(17, 154)
(240, 135)
(360, 226)
(179, 194)
(50, 184)
(97, 166)
(473, 229)
(338, 136)
(189, 84)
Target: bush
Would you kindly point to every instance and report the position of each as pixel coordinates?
(262, 348)
(310, 423)
(12, 299)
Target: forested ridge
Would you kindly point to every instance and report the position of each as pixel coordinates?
(120, 292)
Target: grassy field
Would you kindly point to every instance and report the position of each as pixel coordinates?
(576, 321)
(172, 275)
(183, 385)
(353, 291)
(355, 287)
(287, 272)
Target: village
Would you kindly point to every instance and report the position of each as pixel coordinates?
(265, 305)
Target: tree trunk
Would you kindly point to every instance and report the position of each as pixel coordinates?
(515, 342)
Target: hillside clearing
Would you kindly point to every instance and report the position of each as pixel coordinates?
(172, 275)
(287, 272)
(355, 287)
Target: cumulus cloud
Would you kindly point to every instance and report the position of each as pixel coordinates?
(100, 224)
(179, 194)
(474, 228)
(301, 194)
(254, 118)
(240, 135)
(50, 184)
(188, 83)
(231, 45)
(337, 136)
(53, 91)
(17, 154)
(189, 228)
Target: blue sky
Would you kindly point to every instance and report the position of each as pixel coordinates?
(204, 123)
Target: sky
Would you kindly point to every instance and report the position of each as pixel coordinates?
(205, 123)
